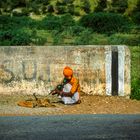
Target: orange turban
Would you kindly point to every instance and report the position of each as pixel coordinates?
(67, 71)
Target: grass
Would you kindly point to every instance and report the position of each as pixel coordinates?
(135, 72)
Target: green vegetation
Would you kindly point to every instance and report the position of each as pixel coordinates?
(106, 22)
(103, 29)
(73, 22)
(135, 72)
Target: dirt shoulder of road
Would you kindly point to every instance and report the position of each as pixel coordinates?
(90, 105)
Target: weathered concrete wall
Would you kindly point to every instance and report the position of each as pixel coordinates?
(29, 69)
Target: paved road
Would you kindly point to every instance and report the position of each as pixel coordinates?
(71, 127)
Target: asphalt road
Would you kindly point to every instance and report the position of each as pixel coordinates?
(71, 127)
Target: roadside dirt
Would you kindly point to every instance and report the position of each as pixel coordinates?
(89, 105)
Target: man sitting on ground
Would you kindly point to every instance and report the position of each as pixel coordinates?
(70, 93)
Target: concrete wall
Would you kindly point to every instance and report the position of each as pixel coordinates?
(29, 69)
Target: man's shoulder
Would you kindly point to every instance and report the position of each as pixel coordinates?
(74, 79)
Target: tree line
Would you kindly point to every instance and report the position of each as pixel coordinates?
(74, 7)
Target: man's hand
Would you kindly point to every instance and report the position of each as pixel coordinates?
(59, 92)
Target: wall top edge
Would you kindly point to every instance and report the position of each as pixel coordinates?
(77, 46)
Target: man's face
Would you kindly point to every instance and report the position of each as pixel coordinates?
(68, 77)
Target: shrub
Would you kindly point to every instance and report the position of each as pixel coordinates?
(14, 37)
(57, 23)
(12, 30)
(105, 22)
(51, 23)
(25, 12)
(136, 18)
(84, 38)
(76, 30)
(127, 39)
(135, 89)
(6, 22)
(35, 8)
(86, 6)
(57, 37)
(9, 23)
(20, 37)
(70, 9)
(50, 9)
(99, 39)
(135, 76)
(60, 9)
(66, 21)
(38, 37)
